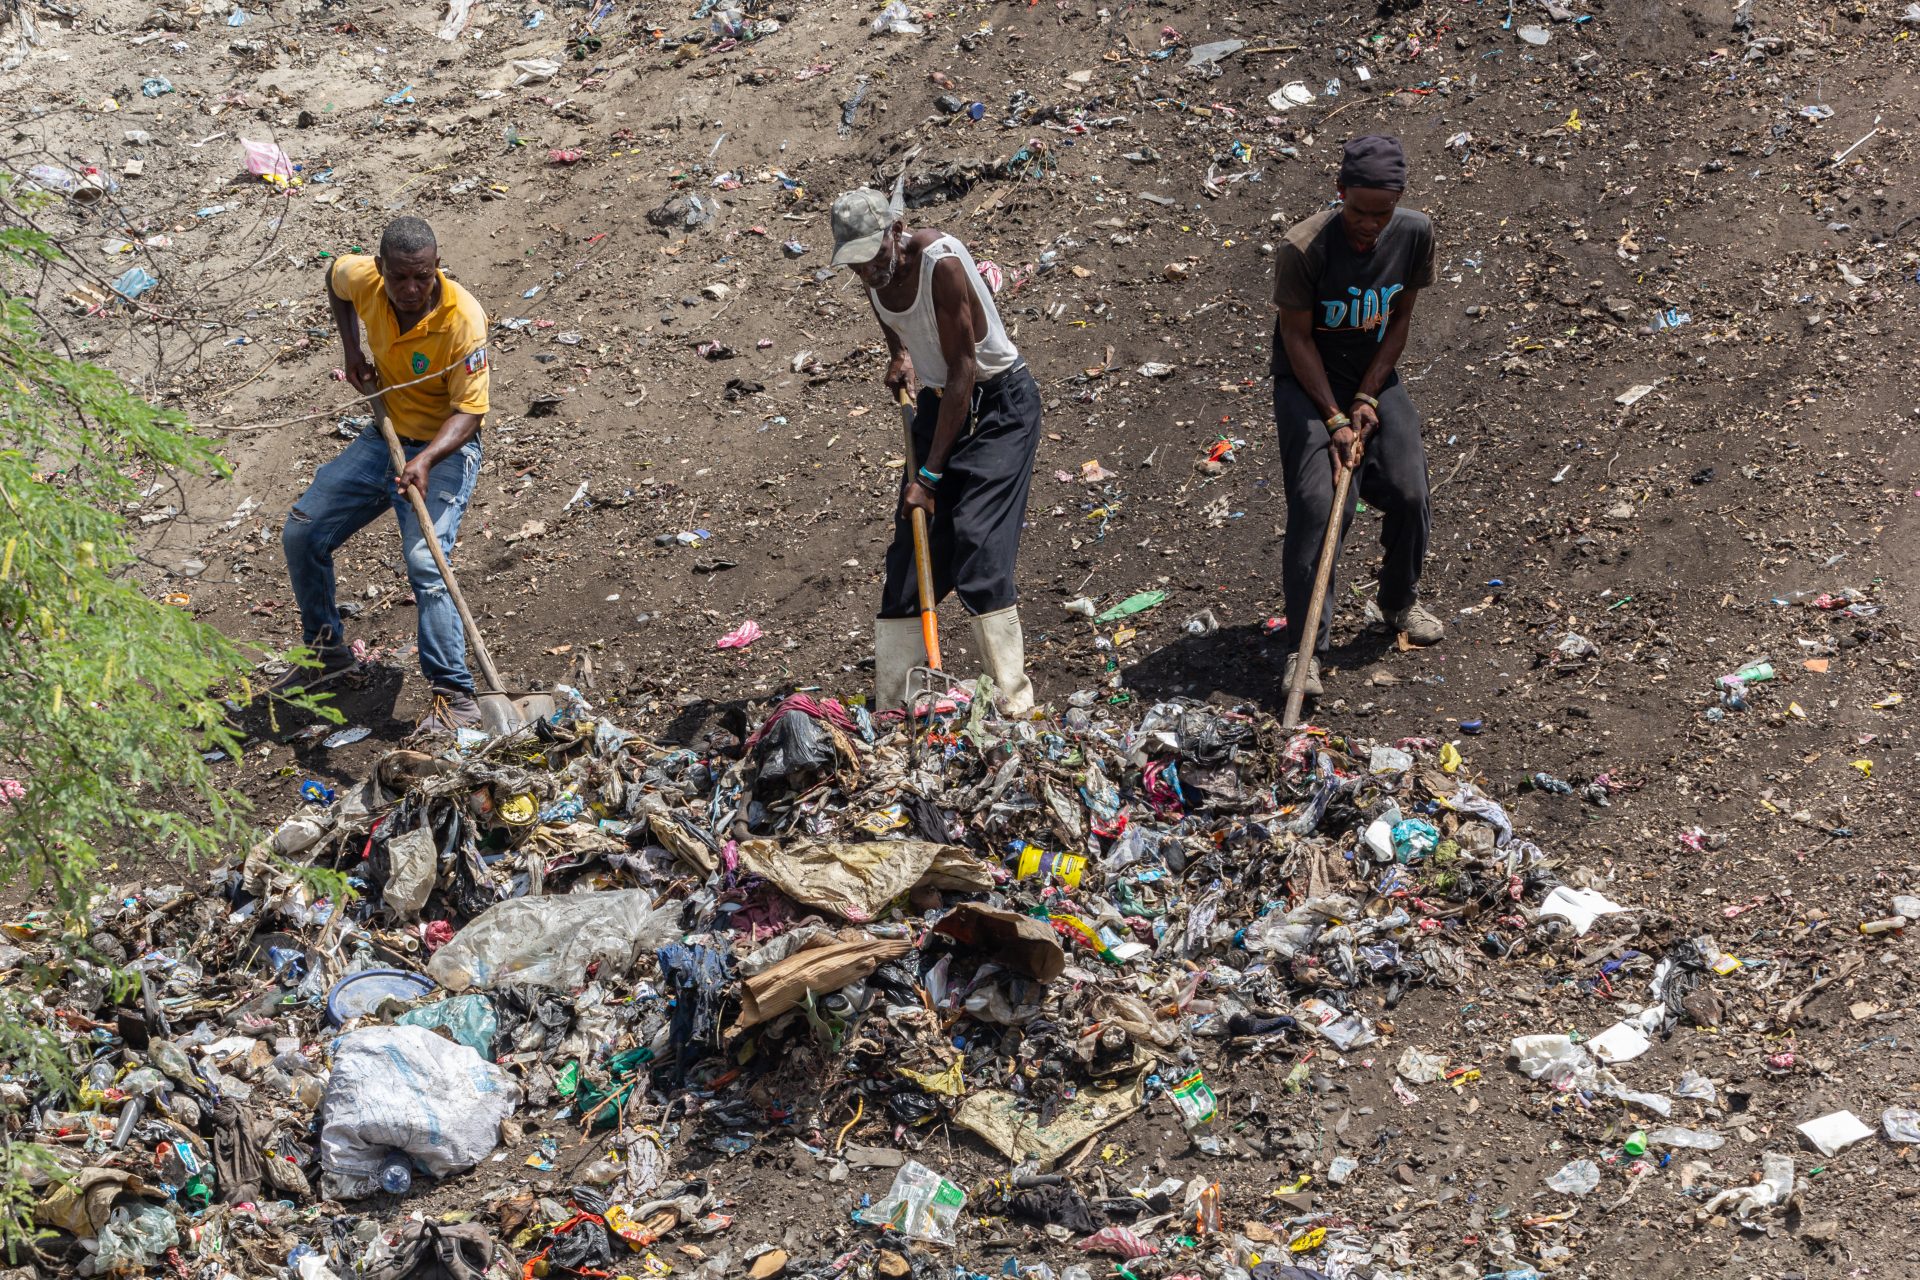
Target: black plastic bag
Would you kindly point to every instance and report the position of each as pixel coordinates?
(794, 752)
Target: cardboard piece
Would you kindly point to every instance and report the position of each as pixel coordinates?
(816, 970)
(1019, 941)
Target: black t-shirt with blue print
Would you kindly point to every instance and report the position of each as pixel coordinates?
(1351, 295)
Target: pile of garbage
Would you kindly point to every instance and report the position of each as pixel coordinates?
(615, 962)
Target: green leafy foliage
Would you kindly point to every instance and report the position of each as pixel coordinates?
(110, 700)
(107, 694)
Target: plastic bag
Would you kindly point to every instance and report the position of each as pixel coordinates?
(550, 941)
(535, 70)
(1579, 907)
(454, 20)
(1414, 838)
(1692, 1139)
(857, 881)
(795, 749)
(1576, 1177)
(921, 1205)
(1776, 1186)
(266, 159)
(469, 1019)
(1901, 1124)
(1292, 933)
(1118, 1241)
(1694, 1085)
(1555, 1059)
(135, 282)
(136, 1240)
(1389, 760)
(896, 19)
(413, 862)
(406, 1089)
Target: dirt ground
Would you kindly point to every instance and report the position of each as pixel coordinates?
(1648, 160)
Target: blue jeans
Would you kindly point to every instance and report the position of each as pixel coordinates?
(348, 494)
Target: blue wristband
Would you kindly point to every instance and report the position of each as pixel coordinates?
(931, 477)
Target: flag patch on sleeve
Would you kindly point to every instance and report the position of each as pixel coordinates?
(477, 361)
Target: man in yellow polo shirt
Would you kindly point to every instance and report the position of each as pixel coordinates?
(428, 337)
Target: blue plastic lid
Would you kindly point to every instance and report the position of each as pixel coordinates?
(359, 994)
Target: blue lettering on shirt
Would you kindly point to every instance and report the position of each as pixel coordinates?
(1363, 310)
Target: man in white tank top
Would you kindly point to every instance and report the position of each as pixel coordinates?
(975, 429)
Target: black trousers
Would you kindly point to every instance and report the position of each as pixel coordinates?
(1392, 479)
(981, 503)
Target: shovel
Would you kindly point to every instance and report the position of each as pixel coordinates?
(1329, 552)
(928, 681)
(497, 711)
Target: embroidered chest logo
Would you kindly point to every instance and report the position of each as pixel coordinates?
(420, 363)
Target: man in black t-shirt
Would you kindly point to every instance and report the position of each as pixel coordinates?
(1344, 283)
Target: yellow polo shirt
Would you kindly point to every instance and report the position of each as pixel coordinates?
(450, 343)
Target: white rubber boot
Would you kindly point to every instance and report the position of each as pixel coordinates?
(1003, 653)
(898, 647)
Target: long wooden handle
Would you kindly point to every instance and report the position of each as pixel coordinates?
(922, 557)
(1309, 637)
(439, 557)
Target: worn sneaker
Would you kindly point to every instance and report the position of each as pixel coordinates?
(450, 711)
(1313, 687)
(1419, 622)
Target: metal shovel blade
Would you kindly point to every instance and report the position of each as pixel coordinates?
(497, 713)
(534, 706)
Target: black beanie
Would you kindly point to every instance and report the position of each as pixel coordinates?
(1374, 161)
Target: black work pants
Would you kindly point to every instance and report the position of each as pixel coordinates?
(980, 504)
(1392, 479)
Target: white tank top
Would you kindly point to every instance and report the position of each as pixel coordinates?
(918, 329)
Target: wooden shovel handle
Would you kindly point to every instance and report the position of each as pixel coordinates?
(421, 514)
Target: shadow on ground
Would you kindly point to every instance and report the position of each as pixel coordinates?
(367, 699)
(1240, 664)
